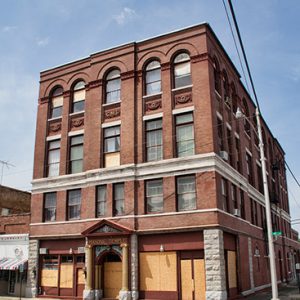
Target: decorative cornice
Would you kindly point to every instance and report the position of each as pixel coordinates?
(55, 127)
(77, 122)
(152, 105)
(183, 98)
(112, 113)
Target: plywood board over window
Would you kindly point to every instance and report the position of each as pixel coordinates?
(231, 264)
(49, 278)
(66, 276)
(158, 271)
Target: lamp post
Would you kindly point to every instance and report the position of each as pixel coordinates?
(239, 115)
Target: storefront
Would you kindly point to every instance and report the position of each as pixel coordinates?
(13, 264)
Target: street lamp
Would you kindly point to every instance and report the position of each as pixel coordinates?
(239, 114)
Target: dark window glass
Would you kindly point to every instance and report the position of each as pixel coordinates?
(249, 168)
(50, 207)
(153, 78)
(74, 204)
(186, 193)
(182, 70)
(185, 135)
(101, 200)
(118, 199)
(76, 154)
(154, 196)
(154, 140)
(50, 262)
(224, 189)
(67, 258)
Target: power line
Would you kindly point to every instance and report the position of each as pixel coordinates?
(292, 173)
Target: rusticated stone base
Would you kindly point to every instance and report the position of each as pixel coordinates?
(216, 295)
(125, 295)
(88, 295)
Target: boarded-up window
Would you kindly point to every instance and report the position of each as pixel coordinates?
(49, 274)
(231, 265)
(66, 276)
(158, 271)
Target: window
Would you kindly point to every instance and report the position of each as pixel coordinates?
(113, 86)
(220, 134)
(247, 117)
(186, 193)
(242, 205)
(78, 97)
(238, 154)
(5, 211)
(185, 135)
(74, 203)
(112, 146)
(118, 199)
(101, 200)
(50, 207)
(53, 158)
(182, 70)
(154, 196)
(50, 262)
(56, 103)
(224, 191)
(76, 154)
(217, 76)
(153, 78)
(253, 212)
(229, 141)
(234, 196)
(226, 88)
(154, 148)
(249, 168)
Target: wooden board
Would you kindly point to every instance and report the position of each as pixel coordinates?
(199, 279)
(187, 284)
(66, 276)
(231, 265)
(49, 278)
(112, 279)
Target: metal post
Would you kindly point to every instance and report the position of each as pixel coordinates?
(268, 211)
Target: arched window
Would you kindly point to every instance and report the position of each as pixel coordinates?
(225, 88)
(247, 117)
(56, 102)
(78, 97)
(153, 78)
(217, 76)
(182, 70)
(113, 86)
(233, 97)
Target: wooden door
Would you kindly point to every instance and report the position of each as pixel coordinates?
(112, 279)
(80, 282)
(192, 279)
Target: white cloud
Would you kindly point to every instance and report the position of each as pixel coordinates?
(42, 42)
(125, 15)
(8, 28)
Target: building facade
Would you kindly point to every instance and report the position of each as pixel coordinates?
(14, 241)
(145, 184)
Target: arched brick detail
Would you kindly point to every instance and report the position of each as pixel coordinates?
(152, 55)
(77, 77)
(54, 83)
(181, 47)
(111, 65)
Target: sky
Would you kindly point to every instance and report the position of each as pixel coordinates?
(36, 35)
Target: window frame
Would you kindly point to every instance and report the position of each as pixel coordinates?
(52, 150)
(56, 93)
(115, 200)
(98, 201)
(184, 193)
(156, 146)
(69, 192)
(150, 70)
(47, 208)
(184, 124)
(181, 63)
(73, 146)
(108, 81)
(149, 197)
(76, 90)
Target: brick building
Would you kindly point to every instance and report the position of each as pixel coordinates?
(145, 184)
(14, 240)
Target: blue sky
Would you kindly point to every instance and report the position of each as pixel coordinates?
(37, 35)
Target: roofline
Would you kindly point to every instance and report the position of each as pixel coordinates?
(14, 189)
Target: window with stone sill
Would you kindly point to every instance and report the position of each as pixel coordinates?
(182, 70)
(56, 103)
(154, 140)
(153, 78)
(224, 191)
(186, 193)
(78, 97)
(154, 196)
(118, 199)
(74, 204)
(101, 200)
(112, 146)
(113, 87)
(76, 154)
(50, 207)
(53, 158)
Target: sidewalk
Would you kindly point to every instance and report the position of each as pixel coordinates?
(285, 292)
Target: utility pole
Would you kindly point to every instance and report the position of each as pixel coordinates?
(7, 164)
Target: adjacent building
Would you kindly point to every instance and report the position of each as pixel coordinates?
(14, 241)
(145, 184)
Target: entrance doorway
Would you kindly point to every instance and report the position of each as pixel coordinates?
(112, 275)
(192, 277)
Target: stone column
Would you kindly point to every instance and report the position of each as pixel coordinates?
(124, 293)
(134, 267)
(214, 265)
(33, 271)
(88, 293)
